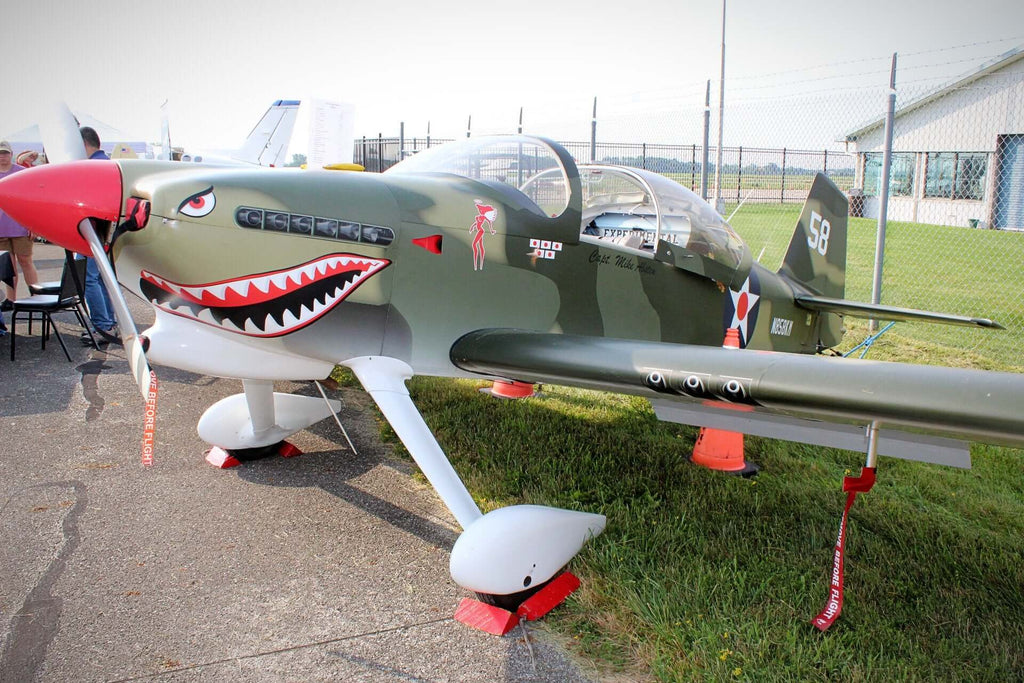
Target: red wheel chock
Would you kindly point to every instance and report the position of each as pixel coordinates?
(500, 621)
(222, 458)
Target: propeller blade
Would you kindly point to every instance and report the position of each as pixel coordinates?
(134, 346)
(59, 131)
(129, 334)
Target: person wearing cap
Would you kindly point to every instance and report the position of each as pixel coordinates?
(13, 238)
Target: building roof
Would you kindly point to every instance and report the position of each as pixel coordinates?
(1001, 62)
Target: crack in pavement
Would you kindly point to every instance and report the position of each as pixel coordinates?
(292, 648)
(34, 626)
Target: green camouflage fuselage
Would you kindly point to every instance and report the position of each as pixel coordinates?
(534, 273)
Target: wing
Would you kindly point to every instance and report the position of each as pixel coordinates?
(972, 404)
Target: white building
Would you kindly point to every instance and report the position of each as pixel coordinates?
(958, 152)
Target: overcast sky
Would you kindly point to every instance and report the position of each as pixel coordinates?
(220, 64)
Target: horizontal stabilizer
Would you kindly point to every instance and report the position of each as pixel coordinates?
(859, 309)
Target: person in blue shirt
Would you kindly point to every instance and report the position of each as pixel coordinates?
(97, 300)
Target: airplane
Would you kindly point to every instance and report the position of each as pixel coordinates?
(449, 265)
(266, 144)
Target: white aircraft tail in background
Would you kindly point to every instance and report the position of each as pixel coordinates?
(266, 145)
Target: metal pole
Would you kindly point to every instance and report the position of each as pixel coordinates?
(693, 170)
(707, 130)
(782, 191)
(872, 434)
(428, 134)
(593, 134)
(721, 116)
(739, 174)
(883, 195)
(643, 158)
(401, 140)
(519, 156)
(469, 125)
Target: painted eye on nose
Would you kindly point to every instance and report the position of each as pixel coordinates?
(198, 205)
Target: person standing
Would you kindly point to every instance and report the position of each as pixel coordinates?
(97, 300)
(14, 238)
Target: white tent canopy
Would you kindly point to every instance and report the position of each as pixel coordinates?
(110, 138)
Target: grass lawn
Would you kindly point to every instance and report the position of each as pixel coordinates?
(701, 575)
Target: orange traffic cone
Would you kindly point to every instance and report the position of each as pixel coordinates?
(510, 389)
(720, 450)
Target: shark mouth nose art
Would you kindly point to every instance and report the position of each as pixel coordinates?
(267, 304)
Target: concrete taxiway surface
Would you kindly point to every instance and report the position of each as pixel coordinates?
(325, 567)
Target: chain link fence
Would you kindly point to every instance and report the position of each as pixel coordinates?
(954, 238)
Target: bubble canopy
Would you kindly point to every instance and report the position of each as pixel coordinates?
(617, 202)
(632, 199)
(527, 164)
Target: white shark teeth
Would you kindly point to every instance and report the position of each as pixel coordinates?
(261, 283)
(280, 280)
(291, 279)
(241, 288)
(230, 326)
(270, 326)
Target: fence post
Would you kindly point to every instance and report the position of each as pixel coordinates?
(593, 134)
(883, 196)
(704, 150)
(643, 158)
(380, 152)
(739, 175)
(782, 196)
(824, 166)
(401, 141)
(703, 172)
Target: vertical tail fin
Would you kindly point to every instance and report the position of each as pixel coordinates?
(267, 144)
(816, 257)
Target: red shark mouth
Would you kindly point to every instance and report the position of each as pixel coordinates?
(266, 304)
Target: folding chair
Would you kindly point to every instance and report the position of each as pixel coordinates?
(69, 298)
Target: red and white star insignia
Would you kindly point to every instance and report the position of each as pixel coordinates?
(743, 303)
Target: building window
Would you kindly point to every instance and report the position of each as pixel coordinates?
(970, 176)
(938, 174)
(956, 175)
(901, 174)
